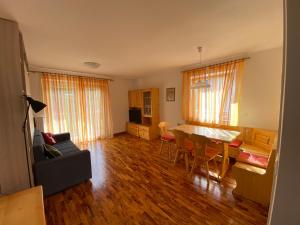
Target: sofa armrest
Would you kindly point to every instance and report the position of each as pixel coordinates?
(62, 137)
(60, 173)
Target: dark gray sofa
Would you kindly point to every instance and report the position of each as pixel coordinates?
(59, 173)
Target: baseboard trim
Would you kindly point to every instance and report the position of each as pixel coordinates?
(119, 133)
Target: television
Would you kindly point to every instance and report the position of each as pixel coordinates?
(135, 115)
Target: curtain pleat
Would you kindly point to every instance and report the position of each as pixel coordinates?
(79, 105)
(218, 103)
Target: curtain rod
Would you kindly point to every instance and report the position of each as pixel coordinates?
(68, 73)
(218, 64)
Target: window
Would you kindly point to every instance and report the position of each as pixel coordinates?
(79, 105)
(210, 94)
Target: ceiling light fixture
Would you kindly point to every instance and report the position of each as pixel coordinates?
(203, 83)
(92, 65)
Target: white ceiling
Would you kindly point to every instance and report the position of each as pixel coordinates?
(135, 37)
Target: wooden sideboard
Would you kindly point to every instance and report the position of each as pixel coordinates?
(142, 131)
(147, 100)
(23, 208)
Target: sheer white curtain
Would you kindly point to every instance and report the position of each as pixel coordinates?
(214, 103)
(79, 105)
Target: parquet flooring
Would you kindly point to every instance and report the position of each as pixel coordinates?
(133, 184)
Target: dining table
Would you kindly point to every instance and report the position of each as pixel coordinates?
(222, 136)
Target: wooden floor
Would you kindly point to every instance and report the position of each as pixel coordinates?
(133, 184)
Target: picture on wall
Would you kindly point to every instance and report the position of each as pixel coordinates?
(170, 94)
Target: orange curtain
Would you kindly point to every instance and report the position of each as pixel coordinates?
(79, 105)
(216, 103)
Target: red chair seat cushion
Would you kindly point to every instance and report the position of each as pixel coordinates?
(168, 137)
(255, 160)
(235, 143)
(48, 138)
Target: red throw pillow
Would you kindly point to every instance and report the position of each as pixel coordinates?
(48, 138)
(235, 143)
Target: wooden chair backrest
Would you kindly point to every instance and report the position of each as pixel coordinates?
(163, 126)
(199, 143)
(180, 137)
(246, 134)
(264, 139)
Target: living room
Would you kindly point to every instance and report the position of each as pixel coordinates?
(164, 112)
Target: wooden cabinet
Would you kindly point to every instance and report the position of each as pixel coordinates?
(144, 132)
(25, 207)
(13, 163)
(135, 99)
(132, 129)
(141, 131)
(147, 100)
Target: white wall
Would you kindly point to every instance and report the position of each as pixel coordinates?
(169, 111)
(259, 101)
(260, 97)
(119, 103)
(119, 98)
(35, 86)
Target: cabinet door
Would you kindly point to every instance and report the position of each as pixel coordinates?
(132, 129)
(131, 98)
(134, 97)
(147, 105)
(139, 99)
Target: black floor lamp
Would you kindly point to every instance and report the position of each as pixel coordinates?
(36, 106)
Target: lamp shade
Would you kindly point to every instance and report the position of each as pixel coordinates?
(35, 105)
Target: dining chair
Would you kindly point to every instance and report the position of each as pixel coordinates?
(184, 147)
(166, 137)
(204, 153)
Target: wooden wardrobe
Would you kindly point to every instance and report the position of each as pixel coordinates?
(13, 163)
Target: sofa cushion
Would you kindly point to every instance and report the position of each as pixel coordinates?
(66, 147)
(48, 138)
(51, 151)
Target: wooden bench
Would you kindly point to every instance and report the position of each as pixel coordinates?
(254, 183)
(262, 142)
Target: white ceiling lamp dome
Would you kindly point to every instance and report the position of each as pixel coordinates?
(92, 65)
